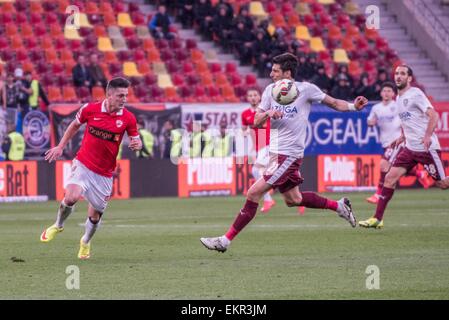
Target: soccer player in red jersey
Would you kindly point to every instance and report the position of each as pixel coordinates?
(94, 164)
(261, 137)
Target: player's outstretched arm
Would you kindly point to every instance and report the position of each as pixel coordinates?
(56, 152)
(341, 105)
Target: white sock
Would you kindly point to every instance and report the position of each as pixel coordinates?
(255, 172)
(90, 230)
(63, 213)
(267, 197)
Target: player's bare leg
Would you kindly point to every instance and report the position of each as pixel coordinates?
(72, 195)
(391, 180)
(92, 224)
(384, 167)
(342, 207)
(268, 201)
(246, 214)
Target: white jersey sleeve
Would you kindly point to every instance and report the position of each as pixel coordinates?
(421, 101)
(265, 103)
(314, 93)
(373, 114)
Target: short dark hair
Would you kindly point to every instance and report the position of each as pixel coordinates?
(253, 89)
(388, 85)
(287, 61)
(118, 82)
(409, 70)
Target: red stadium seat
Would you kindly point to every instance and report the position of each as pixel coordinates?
(251, 80)
(69, 94)
(150, 79)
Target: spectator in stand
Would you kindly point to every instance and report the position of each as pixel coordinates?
(229, 8)
(2, 89)
(186, 13)
(241, 39)
(306, 70)
(342, 89)
(97, 75)
(343, 70)
(247, 20)
(38, 92)
(382, 77)
(24, 92)
(204, 12)
(160, 24)
(261, 48)
(222, 27)
(364, 88)
(321, 79)
(10, 92)
(80, 73)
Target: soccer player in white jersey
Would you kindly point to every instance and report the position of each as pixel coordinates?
(385, 115)
(287, 143)
(418, 120)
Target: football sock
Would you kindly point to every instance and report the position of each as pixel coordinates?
(245, 215)
(381, 182)
(313, 200)
(384, 198)
(63, 213)
(91, 227)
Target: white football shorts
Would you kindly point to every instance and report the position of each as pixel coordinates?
(263, 157)
(97, 189)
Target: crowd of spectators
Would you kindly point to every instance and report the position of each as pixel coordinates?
(88, 74)
(252, 43)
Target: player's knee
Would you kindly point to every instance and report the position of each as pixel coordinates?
(71, 199)
(443, 185)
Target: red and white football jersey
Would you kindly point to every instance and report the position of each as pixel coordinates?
(103, 135)
(262, 136)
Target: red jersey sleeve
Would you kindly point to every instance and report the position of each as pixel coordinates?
(81, 115)
(244, 122)
(131, 129)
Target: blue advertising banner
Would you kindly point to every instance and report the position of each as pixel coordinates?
(333, 132)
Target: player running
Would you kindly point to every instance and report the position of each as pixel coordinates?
(94, 164)
(419, 120)
(385, 115)
(287, 142)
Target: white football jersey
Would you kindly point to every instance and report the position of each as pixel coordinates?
(412, 106)
(388, 122)
(288, 135)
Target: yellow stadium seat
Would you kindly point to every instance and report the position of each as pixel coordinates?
(159, 68)
(340, 56)
(256, 9)
(84, 22)
(130, 69)
(302, 8)
(71, 34)
(352, 8)
(326, 1)
(164, 81)
(124, 20)
(302, 33)
(316, 44)
(104, 44)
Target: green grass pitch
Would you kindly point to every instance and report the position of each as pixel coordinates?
(150, 249)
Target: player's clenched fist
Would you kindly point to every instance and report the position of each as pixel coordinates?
(360, 102)
(135, 144)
